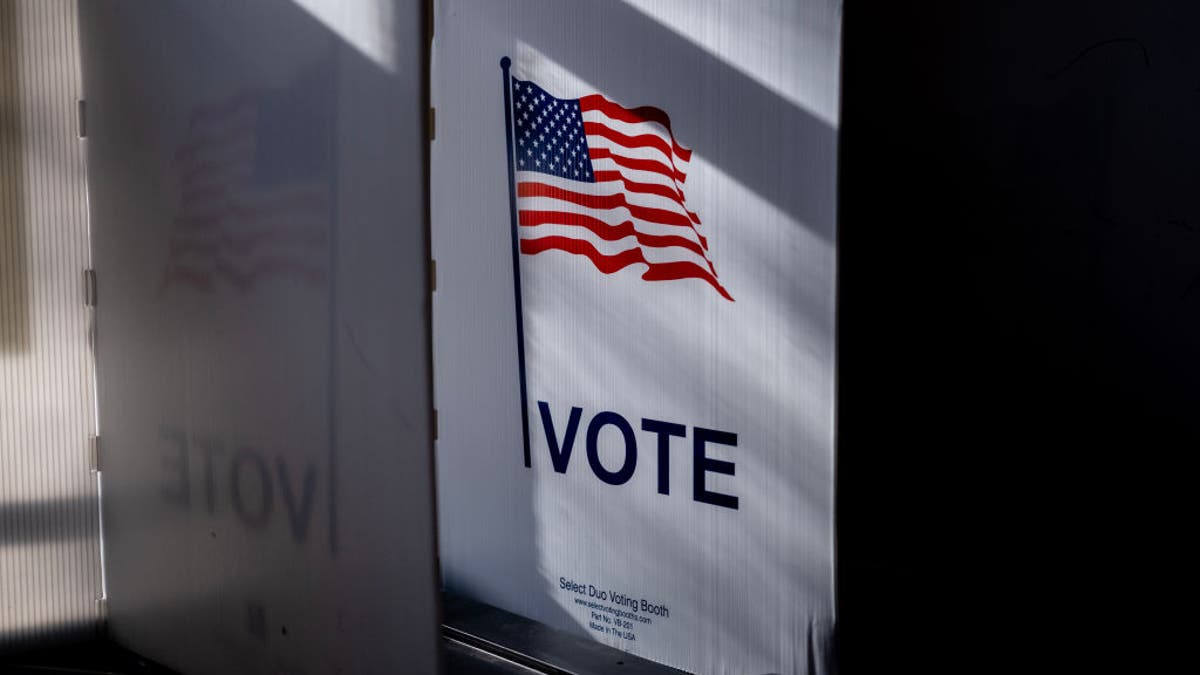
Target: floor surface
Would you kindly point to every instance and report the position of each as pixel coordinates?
(104, 658)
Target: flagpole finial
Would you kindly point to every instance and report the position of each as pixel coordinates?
(505, 62)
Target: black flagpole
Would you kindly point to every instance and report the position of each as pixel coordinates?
(516, 253)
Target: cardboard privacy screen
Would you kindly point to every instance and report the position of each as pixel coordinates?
(633, 219)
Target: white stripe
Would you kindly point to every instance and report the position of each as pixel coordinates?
(636, 129)
(651, 154)
(652, 253)
(575, 232)
(637, 175)
(604, 189)
(609, 217)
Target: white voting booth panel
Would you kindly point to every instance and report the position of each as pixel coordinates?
(50, 582)
(257, 198)
(663, 175)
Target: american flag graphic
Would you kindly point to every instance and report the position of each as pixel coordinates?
(605, 182)
(254, 189)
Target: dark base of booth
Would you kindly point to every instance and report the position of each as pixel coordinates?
(477, 639)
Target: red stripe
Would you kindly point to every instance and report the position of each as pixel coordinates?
(642, 141)
(638, 164)
(670, 271)
(611, 263)
(646, 213)
(611, 232)
(634, 116)
(673, 194)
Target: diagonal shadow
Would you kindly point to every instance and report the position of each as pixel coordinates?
(785, 159)
(48, 520)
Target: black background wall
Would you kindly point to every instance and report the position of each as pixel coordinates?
(1018, 328)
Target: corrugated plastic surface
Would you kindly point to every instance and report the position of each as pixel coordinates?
(50, 575)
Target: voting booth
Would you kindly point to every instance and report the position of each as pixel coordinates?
(398, 306)
(257, 206)
(634, 229)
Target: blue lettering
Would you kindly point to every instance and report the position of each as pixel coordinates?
(560, 458)
(665, 431)
(701, 464)
(622, 475)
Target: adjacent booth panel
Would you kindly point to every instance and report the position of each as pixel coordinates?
(257, 198)
(50, 578)
(634, 227)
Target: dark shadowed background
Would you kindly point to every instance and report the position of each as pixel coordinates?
(1019, 314)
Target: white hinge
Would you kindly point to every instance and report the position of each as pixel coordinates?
(81, 117)
(94, 453)
(89, 288)
(432, 275)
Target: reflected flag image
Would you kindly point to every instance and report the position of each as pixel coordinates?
(246, 216)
